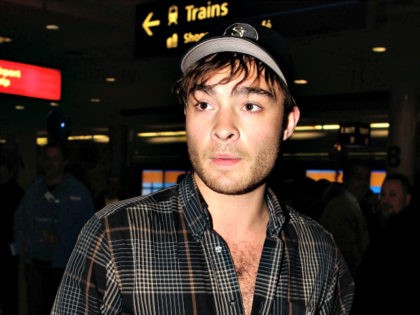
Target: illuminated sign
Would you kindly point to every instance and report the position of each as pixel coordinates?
(29, 80)
(354, 134)
(171, 26)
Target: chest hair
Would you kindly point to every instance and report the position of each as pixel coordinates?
(246, 258)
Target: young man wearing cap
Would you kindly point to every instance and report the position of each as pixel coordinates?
(218, 242)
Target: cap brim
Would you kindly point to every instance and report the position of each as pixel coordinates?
(232, 44)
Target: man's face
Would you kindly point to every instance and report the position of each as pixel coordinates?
(53, 162)
(392, 198)
(234, 133)
(360, 182)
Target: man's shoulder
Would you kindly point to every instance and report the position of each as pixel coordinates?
(36, 186)
(161, 201)
(307, 226)
(342, 203)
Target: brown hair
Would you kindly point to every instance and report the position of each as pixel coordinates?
(239, 65)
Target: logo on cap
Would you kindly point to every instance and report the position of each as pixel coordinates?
(242, 30)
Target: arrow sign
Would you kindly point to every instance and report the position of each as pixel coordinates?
(148, 23)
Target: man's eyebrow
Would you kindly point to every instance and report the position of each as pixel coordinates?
(246, 90)
(252, 90)
(208, 89)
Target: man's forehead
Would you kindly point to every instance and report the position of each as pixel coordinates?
(393, 183)
(242, 79)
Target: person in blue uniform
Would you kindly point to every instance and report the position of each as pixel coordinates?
(47, 222)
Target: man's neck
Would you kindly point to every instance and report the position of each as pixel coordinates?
(236, 215)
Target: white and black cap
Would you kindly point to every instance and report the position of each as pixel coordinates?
(260, 42)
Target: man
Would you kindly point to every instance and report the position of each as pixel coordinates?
(218, 242)
(391, 261)
(395, 196)
(47, 222)
(343, 215)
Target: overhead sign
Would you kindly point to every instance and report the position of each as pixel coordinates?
(171, 26)
(354, 134)
(29, 80)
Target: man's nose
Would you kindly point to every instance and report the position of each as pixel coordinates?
(225, 127)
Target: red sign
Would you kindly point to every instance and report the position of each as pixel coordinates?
(29, 80)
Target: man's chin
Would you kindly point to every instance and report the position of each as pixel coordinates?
(231, 186)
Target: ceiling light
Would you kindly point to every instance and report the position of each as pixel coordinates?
(20, 107)
(54, 104)
(379, 49)
(331, 127)
(95, 100)
(308, 128)
(101, 138)
(95, 138)
(300, 81)
(161, 134)
(41, 140)
(317, 127)
(305, 135)
(110, 79)
(52, 27)
(381, 125)
(4, 39)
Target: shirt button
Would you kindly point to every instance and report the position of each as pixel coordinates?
(218, 249)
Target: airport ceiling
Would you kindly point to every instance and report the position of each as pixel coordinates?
(330, 42)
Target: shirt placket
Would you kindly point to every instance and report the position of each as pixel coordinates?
(227, 294)
(267, 282)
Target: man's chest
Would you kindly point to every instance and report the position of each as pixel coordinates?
(206, 274)
(246, 258)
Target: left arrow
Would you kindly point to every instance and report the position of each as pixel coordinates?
(148, 23)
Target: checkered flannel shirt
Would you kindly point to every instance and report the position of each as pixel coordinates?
(158, 254)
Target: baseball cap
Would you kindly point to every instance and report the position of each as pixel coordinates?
(243, 37)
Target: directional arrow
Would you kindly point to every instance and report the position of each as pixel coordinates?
(147, 23)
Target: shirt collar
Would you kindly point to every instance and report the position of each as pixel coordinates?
(198, 218)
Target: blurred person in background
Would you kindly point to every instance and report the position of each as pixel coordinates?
(395, 197)
(47, 222)
(342, 214)
(10, 195)
(390, 268)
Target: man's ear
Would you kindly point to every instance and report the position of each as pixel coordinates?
(291, 122)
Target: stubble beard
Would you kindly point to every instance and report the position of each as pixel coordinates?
(226, 182)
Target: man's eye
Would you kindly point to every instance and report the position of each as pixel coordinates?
(250, 107)
(203, 106)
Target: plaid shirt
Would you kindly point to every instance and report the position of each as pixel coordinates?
(158, 254)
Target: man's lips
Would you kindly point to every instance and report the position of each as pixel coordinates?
(225, 159)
